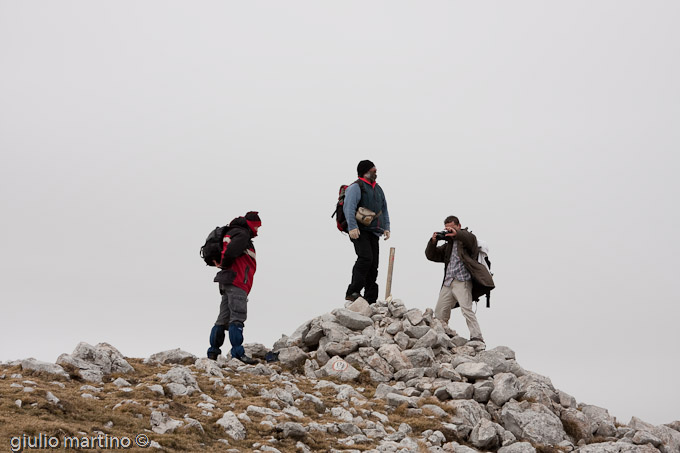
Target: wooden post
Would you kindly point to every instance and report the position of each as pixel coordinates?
(390, 268)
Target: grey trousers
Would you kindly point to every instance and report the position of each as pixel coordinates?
(460, 292)
(234, 305)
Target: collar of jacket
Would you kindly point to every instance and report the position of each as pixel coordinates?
(372, 184)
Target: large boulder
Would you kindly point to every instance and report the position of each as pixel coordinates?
(43, 367)
(533, 422)
(92, 363)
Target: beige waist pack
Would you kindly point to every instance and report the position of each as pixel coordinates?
(365, 216)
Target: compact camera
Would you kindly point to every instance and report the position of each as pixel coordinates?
(441, 235)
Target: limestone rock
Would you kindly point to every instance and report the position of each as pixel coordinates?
(505, 387)
(209, 367)
(293, 356)
(474, 371)
(519, 447)
(292, 430)
(486, 435)
(92, 363)
(414, 316)
(482, 392)
(603, 423)
(232, 426)
(176, 356)
(351, 319)
(361, 306)
(577, 424)
(533, 422)
(43, 367)
(394, 357)
(337, 367)
(669, 436)
(616, 447)
(161, 423)
(180, 381)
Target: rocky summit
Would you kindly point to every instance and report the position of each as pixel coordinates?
(364, 378)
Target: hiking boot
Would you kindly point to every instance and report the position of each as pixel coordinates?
(247, 360)
(353, 296)
(481, 340)
(213, 356)
(271, 357)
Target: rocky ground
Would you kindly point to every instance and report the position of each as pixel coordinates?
(377, 378)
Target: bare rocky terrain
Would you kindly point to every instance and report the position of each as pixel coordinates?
(379, 378)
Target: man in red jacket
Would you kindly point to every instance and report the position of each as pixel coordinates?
(235, 281)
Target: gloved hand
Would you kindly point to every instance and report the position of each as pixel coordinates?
(354, 234)
(386, 233)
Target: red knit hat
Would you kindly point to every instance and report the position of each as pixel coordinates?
(253, 221)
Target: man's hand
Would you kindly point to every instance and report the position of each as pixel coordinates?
(217, 265)
(354, 234)
(451, 233)
(434, 237)
(386, 233)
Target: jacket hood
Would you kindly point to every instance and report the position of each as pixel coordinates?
(241, 222)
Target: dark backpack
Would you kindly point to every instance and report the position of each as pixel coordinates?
(212, 249)
(339, 213)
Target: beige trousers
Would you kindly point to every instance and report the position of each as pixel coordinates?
(460, 292)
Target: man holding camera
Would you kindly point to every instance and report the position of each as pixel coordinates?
(465, 279)
(365, 209)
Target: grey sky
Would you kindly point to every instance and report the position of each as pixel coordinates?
(129, 130)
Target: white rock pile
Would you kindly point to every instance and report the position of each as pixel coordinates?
(497, 404)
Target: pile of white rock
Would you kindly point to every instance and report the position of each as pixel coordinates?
(497, 404)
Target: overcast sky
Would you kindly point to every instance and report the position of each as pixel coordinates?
(128, 130)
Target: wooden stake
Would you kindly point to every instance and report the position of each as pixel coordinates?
(390, 268)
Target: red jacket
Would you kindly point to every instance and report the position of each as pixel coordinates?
(238, 256)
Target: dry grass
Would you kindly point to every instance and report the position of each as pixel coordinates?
(77, 416)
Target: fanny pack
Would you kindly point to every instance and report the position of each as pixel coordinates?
(365, 216)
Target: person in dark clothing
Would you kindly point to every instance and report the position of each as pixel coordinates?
(366, 193)
(235, 279)
(465, 278)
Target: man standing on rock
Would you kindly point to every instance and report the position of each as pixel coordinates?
(465, 279)
(235, 281)
(365, 193)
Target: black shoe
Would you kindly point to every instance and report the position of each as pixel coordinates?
(247, 360)
(481, 340)
(353, 296)
(213, 356)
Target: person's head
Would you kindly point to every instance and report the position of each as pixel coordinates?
(452, 222)
(366, 169)
(253, 221)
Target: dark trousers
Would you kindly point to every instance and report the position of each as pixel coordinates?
(365, 270)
